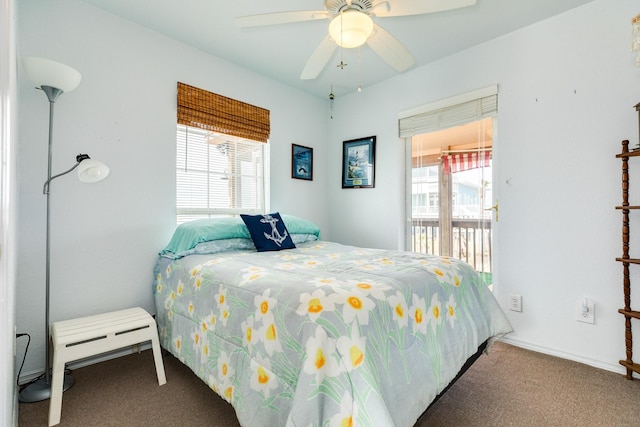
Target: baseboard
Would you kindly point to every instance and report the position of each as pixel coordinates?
(93, 359)
(612, 367)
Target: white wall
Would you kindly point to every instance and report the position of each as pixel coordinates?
(567, 87)
(8, 208)
(105, 236)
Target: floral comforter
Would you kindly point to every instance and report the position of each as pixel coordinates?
(324, 334)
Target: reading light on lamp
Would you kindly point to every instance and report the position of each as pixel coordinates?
(90, 170)
(351, 28)
(54, 78)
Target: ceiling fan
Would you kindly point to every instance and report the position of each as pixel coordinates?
(351, 26)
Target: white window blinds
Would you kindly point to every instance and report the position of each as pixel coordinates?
(449, 113)
(218, 174)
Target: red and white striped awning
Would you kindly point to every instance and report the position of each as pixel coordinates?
(466, 161)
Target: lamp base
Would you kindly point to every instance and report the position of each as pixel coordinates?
(41, 390)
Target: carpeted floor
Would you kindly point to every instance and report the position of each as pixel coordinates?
(508, 387)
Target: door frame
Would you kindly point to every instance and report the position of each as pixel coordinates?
(407, 139)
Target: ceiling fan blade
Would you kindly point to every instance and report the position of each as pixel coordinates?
(390, 49)
(389, 8)
(280, 18)
(318, 59)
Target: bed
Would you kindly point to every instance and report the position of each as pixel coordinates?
(317, 333)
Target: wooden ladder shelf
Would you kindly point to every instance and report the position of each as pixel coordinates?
(626, 260)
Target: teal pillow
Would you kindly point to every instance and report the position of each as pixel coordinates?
(268, 232)
(297, 225)
(189, 234)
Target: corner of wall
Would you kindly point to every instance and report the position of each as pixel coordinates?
(8, 144)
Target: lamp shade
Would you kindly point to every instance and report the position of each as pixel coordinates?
(351, 28)
(45, 72)
(90, 170)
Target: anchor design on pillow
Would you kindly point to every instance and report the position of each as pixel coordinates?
(275, 234)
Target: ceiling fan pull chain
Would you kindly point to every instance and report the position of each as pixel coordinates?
(341, 32)
(331, 98)
(359, 73)
(341, 65)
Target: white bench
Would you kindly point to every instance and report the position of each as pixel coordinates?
(89, 336)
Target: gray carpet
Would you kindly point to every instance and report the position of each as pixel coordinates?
(508, 387)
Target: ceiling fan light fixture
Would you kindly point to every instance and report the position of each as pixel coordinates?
(351, 28)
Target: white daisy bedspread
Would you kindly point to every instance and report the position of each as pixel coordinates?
(324, 334)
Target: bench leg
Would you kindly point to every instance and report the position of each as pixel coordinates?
(57, 379)
(157, 357)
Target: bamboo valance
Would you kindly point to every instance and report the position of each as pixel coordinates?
(206, 110)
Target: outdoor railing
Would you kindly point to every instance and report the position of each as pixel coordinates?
(471, 240)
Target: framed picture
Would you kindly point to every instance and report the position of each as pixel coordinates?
(358, 163)
(301, 162)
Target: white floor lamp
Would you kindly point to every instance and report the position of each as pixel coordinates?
(54, 79)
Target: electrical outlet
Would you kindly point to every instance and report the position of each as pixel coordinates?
(515, 302)
(585, 311)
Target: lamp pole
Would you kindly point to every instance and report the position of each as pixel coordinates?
(41, 389)
(52, 93)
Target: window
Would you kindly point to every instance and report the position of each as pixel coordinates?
(219, 174)
(222, 156)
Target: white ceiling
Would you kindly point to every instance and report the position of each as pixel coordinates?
(281, 52)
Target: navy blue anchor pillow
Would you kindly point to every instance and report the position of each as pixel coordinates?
(268, 232)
